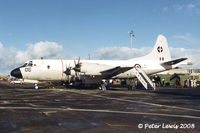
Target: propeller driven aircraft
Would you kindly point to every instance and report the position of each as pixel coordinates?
(92, 72)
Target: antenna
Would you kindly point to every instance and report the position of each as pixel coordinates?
(131, 34)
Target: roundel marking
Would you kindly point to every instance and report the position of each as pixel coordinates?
(137, 66)
(160, 49)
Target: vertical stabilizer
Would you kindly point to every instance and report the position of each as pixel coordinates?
(160, 51)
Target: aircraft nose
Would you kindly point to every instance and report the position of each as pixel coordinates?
(16, 73)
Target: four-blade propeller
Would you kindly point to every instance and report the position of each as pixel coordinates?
(77, 68)
(68, 70)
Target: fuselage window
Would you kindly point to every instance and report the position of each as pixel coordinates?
(48, 66)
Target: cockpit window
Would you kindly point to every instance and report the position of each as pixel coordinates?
(30, 63)
(24, 65)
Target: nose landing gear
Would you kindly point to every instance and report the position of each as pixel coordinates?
(36, 86)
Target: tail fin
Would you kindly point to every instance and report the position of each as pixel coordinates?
(160, 51)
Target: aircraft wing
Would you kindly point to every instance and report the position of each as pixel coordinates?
(173, 62)
(114, 71)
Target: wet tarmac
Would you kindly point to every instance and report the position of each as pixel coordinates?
(26, 110)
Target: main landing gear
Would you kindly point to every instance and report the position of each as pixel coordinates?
(103, 86)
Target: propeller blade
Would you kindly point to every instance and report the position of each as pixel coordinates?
(77, 67)
(78, 60)
(68, 70)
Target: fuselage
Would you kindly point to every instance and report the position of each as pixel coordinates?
(93, 71)
(53, 70)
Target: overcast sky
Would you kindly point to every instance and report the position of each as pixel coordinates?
(66, 29)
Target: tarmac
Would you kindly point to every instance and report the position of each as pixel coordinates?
(119, 110)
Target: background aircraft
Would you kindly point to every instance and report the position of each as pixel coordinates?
(91, 72)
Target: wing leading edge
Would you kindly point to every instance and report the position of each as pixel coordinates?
(114, 71)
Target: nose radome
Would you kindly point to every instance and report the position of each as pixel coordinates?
(16, 73)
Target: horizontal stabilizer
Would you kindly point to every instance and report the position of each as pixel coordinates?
(173, 62)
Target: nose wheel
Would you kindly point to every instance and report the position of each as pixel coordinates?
(36, 86)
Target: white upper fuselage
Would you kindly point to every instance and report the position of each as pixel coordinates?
(54, 69)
